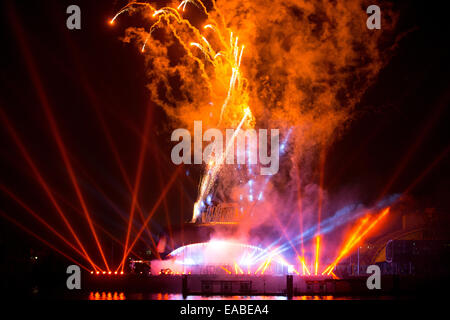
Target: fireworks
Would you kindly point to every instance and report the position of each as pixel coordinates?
(212, 64)
(215, 52)
(224, 61)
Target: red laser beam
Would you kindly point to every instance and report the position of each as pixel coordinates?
(152, 212)
(41, 239)
(42, 221)
(137, 182)
(34, 74)
(94, 101)
(43, 183)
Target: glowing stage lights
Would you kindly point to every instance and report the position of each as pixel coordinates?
(109, 273)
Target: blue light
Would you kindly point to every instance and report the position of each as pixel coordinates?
(208, 199)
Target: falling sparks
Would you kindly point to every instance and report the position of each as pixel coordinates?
(228, 57)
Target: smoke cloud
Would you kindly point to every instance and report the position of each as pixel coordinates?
(305, 66)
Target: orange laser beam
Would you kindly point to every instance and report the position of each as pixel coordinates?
(46, 105)
(354, 234)
(266, 265)
(226, 270)
(305, 268)
(41, 239)
(316, 264)
(260, 266)
(43, 222)
(137, 182)
(73, 178)
(43, 183)
(152, 211)
(355, 239)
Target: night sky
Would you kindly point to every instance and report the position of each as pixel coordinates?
(401, 122)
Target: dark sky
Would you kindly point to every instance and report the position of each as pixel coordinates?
(402, 121)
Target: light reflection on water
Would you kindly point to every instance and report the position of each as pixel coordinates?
(106, 296)
(177, 296)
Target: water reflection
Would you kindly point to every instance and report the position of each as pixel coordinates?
(106, 296)
(177, 296)
(168, 296)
